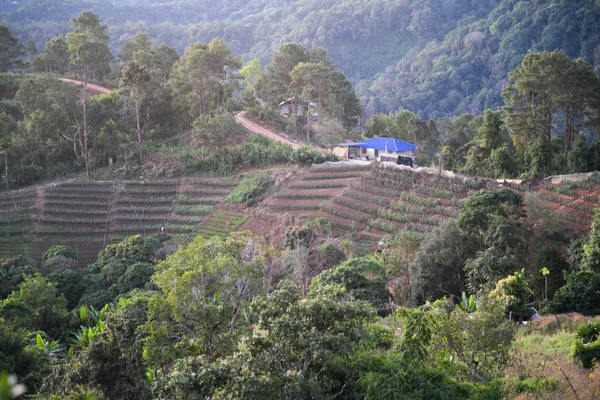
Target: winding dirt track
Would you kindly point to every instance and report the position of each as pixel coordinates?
(240, 118)
(90, 86)
(252, 126)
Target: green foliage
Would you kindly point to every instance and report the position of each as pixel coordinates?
(587, 354)
(252, 186)
(198, 289)
(478, 210)
(353, 279)
(477, 342)
(11, 49)
(59, 250)
(580, 294)
(437, 268)
(589, 332)
(514, 292)
(42, 298)
(20, 358)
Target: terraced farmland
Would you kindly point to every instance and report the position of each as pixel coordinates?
(381, 201)
(90, 215)
(362, 203)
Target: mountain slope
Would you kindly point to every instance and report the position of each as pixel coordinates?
(433, 57)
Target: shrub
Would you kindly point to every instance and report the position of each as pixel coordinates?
(589, 332)
(64, 251)
(587, 355)
(580, 294)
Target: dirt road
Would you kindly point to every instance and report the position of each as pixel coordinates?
(90, 86)
(252, 126)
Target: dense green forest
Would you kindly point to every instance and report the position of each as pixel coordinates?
(432, 57)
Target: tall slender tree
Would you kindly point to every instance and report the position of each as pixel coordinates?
(133, 81)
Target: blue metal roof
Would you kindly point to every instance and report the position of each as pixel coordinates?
(386, 144)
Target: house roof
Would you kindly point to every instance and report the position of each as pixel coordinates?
(302, 100)
(386, 144)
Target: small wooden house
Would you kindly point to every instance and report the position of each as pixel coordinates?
(376, 148)
(288, 107)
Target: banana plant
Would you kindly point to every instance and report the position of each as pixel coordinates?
(52, 349)
(6, 272)
(467, 304)
(90, 314)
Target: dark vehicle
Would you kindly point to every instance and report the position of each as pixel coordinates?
(400, 160)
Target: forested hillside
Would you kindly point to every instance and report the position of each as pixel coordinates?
(432, 57)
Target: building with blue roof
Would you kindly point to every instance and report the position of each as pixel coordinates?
(378, 147)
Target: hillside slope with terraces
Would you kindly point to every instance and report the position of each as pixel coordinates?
(362, 203)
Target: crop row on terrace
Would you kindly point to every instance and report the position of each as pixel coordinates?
(149, 192)
(149, 183)
(193, 210)
(295, 207)
(317, 176)
(323, 185)
(72, 221)
(146, 228)
(382, 226)
(567, 203)
(392, 216)
(373, 187)
(75, 203)
(416, 209)
(206, 182)
(169, 220)
(15, 218)
(142, 211)
(349, 215)
(340, 168)
(221, 223)
(206, 192)
(365, 196)
(302, 196)
(146, 201)
(419, 200)
(197, 201)
(80, 189)
(76, 197)
(356, 206)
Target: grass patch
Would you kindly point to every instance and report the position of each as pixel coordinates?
(251, 187)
